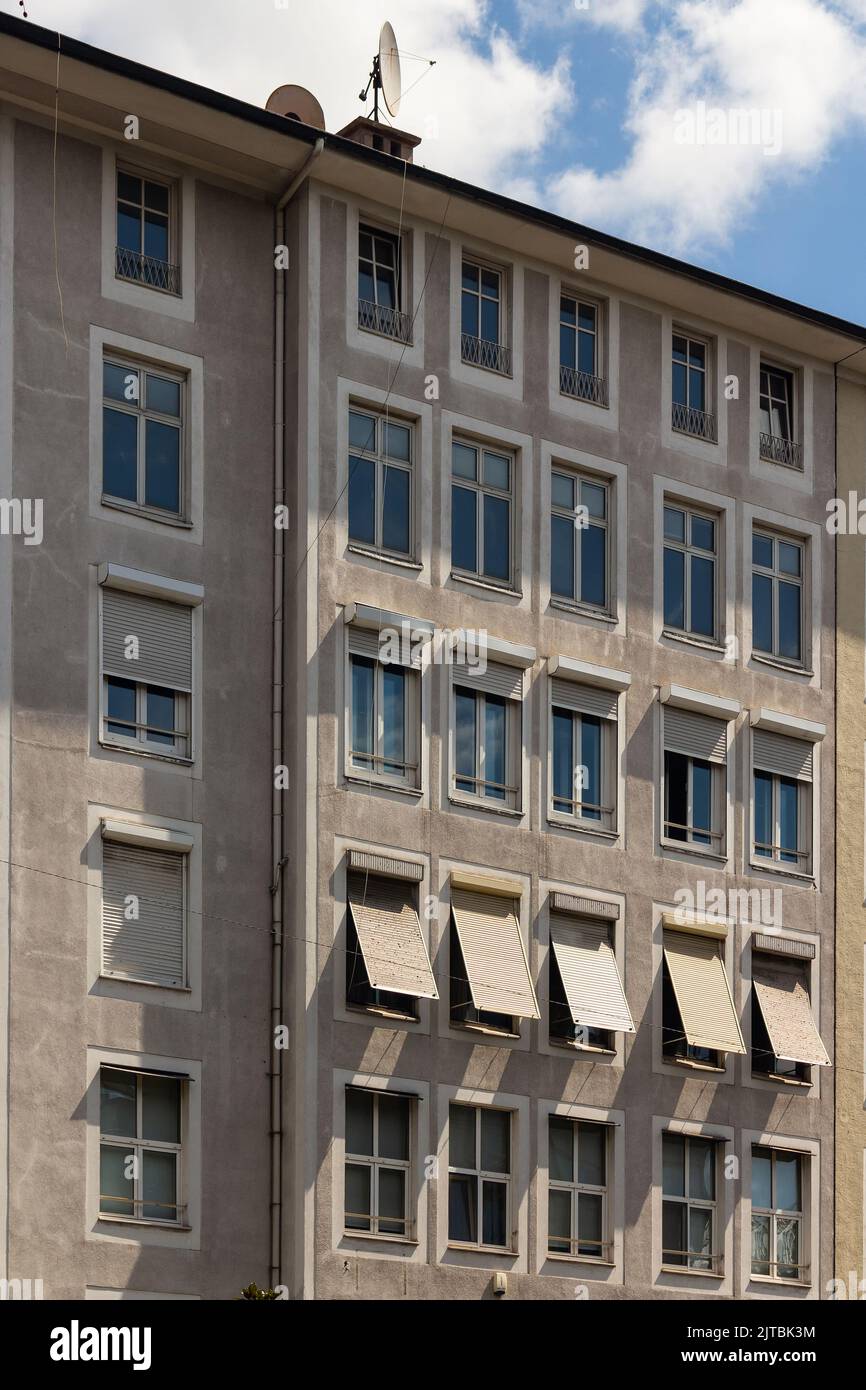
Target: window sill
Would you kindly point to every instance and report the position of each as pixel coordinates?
(142, 1221)
(778, 871)
(584, 610)
(791, 668)
(579, 1259)
(144, 285)
(692, 1273)
(489, 371)
(706, 644)
(386, 559)
(502, 1250)
(490, 584)
(477, 804)
(373, 781)
(385, 337)
(375, 1238)
(146, 513)
(581, 1047)
(782, 1080)
(142, 752)
(688, 1065)
(779, 1283)
(151, 984)
(582, 827)
(485, 1031)
(365, 1010)
(695, 851)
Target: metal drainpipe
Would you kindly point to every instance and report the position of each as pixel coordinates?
(277, 831)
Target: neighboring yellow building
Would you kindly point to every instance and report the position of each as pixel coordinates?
(850, 832)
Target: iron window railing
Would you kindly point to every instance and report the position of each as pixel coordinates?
(687, 420)
(479, 352)
(147, 270)
(786, 452)
(582, 386)
(379, 318)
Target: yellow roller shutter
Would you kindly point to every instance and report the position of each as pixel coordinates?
(703, 994)
(496, 965)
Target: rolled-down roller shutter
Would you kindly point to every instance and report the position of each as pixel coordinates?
(695, 735)
(789, 757)
(143, 918)
(496, 679)
(163, 633)
(493, 954)
(703, 994)
(787, 1012)
(590, 978)
(585, 699)
(389, 935)
(391, 646)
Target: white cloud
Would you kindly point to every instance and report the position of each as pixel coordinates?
(624, 15)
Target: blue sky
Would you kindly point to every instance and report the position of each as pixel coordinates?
(589, 107)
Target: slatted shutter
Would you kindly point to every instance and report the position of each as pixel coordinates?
(702, 992)
(164, 634)
(588, 969)
(497, 679)
(695, 735)
(584, 699)
(787, 1012)
(789, 757)
(389, 935)
(493, 953)
(152, 945)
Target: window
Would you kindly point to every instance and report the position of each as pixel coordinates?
(587, 1003)
(579, 553)
(482, 336)
(777, 1214)
(380, 284)
(583, 753)
(694, 779)
(778, 444)
(777, 596)
(786, 1043)
(378, 1164)
(143, 437)
(479, 1176)
(783, 770)
(689, 1203)
(387, 966)
(690, 388)
(577, 1198)
(380, 483)
(481, 530)
(144, 913)
(384, 718)
(490, 984)
(580, 373)
(146, 234)
(147, 657)
(690, 548)
(699, 1021)
(487, 734)
(140, 1145)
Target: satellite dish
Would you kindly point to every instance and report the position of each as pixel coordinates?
(389, 68)
(296, 104)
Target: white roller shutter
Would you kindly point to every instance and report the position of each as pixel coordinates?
(590, 978)
(496, 965)
(585, 699)
(389, 935)
(164, 635)
(789, 757)
(703, 994)
(695, 735)
(152, 946)
(497, 679)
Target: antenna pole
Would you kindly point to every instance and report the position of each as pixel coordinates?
(377, 83)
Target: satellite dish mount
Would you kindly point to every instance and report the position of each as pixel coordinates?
(385, 74)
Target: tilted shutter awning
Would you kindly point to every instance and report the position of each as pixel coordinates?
(164, 635)
(149, 945)
(787, 1011)
(590, 978)
(703, 994)
(497, 679)
(585, 699)
(496, 965)
(695, 735)
(389, 935)
(789, 757)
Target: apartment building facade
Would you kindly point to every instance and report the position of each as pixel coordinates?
(516, 869)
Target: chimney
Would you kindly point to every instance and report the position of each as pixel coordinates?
(376, 136)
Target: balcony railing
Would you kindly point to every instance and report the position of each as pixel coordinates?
(147, 270)
(494, 357)
(695, 422)
(378, 318)
(787, 452)
(583, 386)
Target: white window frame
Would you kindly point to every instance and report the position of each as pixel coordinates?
(776, 576)
(511, 318)
(680, 1277)
(774, 1213)
(757, 1285)
(137, 1147)
(514, 1258)
(689, 510)
(607, 1270)
(812, 537)
(609, 789)
(699, 1203)
(804, 851)
(579, 477)
(411, 780)
(804, 371)
(706, 343)
(513, 755)
(717, 355)
(717, 834)
(156, 168)
(480, 264)
(170, 184)
(375, 1162)
(142, 413)
(576, 1188)
(481, 491)
(482, 1175)
(380, 460)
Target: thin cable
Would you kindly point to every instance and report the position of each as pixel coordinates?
(54, 197)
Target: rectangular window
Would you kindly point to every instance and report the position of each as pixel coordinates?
(143, 426)
(380, 284)
(783, 773)
(140, 1146)
(778, 566)
(384, 714)
(479, 1176)
(777, 1214)
(583, 753)
(490, 984)
(381, 455)
(144, 914)
(689, 1203)
(778, 443)
(577, 1195)
(146, 231)
(482, 488)
(786, 1043)
(587, 1003)
(378, 1166)
(387, 966)
(487, 734)
(579, 547)
(690, 388)
(699, 1021)
(147, 659)
(580, 372)
(482, 318)
(690, 572)
(695, 755)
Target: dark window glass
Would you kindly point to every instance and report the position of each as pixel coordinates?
(465, 739)
(119, 454)
(702, 800)
(789, 621)
(763, 814)
(160, 714)
(121, 705)
(156, 236)
(562, 556)
(497, 537)
(563, 764)
(162, 466)
(788, 818)
(363, 736)
(495, 1209)
(490, 320)
(463, 1208)
(676, 795)
(362, 500)
(674, 589)
(702, 618)
(762, 613)
(464, 529)
(395, 519)
(495, 746)
(593, 585)
(394, 720)
(590, 744)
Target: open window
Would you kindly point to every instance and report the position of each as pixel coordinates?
(694, 793)
(699, 1021)
(491, 988)
(387, 966)
(783, 778)
(786, 1043)
(587, 1000)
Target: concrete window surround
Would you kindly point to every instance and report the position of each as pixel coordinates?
(810, 1149)
(511, 319)
(187, 1237)
(139, 351)
(685, 1071)
(128, 155)
(609, 1269)
(720, 1282)
(723, 648)
(717, 356)
(370, 1017)
(812, 973)
(188, 998)
(576, 1052)
(607, 305)
(615, 475)
(412, 253)
(809, 803)
(613, 751)
(378, 1247)
(812, 537)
